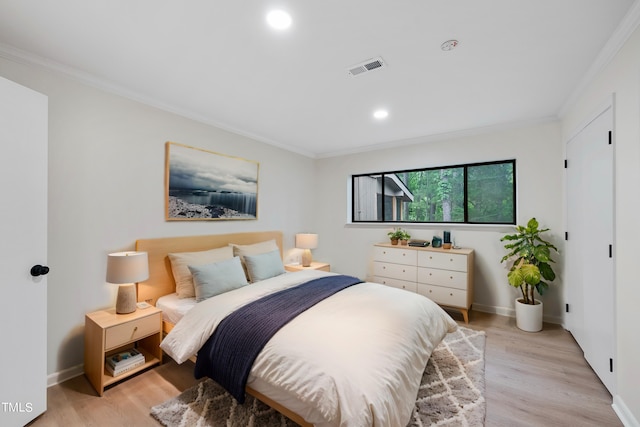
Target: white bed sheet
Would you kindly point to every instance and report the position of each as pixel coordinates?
(174, 308)
(354, 359)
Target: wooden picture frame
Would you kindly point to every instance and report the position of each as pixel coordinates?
(205, 185)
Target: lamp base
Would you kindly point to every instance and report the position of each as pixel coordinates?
(306, 258)
(126, 301)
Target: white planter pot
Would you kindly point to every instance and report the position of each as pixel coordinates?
(529, 317)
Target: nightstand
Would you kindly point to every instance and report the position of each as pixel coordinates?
(107, 333)
(314, 266)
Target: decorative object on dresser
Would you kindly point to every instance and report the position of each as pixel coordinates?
(530, 257)
(126, 269)
(306, 242)
(399, 235)
(443, 275)
(314, 266)
(446, 240)
(108, 334)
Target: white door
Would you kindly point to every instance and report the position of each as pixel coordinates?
(590, 245)
(23, 244)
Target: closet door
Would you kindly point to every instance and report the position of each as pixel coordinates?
(23, 245)
(590, 246)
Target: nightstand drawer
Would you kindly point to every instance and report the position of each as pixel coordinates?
(118, 335)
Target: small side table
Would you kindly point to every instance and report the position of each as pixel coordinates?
(107, 333)
(314, 266)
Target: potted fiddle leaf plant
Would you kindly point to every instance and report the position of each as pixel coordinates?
(530, 271)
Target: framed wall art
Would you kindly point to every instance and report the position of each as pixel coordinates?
(205, 185)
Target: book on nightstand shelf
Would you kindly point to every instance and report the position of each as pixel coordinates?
(122, 362)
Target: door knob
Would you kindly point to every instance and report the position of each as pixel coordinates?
(39, 270)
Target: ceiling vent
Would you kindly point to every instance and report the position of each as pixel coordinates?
(365, 67)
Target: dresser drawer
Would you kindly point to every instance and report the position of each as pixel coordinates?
(400, 284)
(444, 296)
(395, 271)
(444, 261)
(396, 256)
(446, 278)
(118, 335)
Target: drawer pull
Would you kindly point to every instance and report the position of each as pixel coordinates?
(403, 270)
(403, 254)
(451, 277)
(450, 294)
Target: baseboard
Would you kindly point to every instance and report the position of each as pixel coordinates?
(511, 312)
(64, 375)
(623, 412)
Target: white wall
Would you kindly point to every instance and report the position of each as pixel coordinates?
(622, 78)
(106, 189)
(538, 153)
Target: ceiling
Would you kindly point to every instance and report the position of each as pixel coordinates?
(218, 61)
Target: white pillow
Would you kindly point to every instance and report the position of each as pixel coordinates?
(264, 266)
(181, 261)
(253, 249)
(213, 279)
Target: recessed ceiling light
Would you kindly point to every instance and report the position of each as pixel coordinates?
(380, 114)
(279, 19)
(449, 45)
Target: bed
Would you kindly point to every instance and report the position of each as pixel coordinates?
(355, 358)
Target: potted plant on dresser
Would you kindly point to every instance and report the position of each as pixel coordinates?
(530, 257)
(398, 234)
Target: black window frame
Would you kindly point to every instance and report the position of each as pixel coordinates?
(464, 167)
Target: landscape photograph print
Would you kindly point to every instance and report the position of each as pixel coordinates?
(205, 185)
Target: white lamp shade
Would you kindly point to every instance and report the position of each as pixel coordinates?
(306, 241)
(127, 267)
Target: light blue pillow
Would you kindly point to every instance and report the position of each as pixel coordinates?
(264, 266)
(213, 279)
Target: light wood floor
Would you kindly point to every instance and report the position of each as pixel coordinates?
(532, 379)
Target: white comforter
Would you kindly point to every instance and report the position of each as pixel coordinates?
(354, 359)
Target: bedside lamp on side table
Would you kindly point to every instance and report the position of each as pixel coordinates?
(307, 242)
(126, 269)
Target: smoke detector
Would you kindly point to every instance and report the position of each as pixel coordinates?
(449, 45)
(366, 66)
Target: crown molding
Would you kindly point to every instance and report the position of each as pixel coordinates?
(619, 37)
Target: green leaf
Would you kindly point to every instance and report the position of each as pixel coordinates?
(516, 278)
(531, 274)
(547, 271)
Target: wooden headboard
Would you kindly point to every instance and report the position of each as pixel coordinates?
(161, 281)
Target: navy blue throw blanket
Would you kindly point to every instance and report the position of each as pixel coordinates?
(228, 355)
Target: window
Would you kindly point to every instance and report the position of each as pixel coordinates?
(480, 193)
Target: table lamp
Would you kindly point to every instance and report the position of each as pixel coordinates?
(126, 269)
(307, 242)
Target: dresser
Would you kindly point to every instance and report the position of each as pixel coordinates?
(443, 275)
